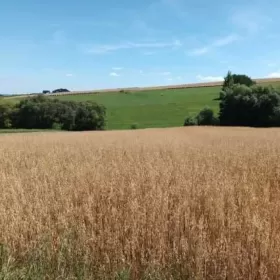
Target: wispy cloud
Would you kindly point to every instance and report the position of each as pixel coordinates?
(165, 73)
(199, 51)
(114, 74)
(221, 42)
(103, 49)
(117, 68)
(209, 78)
(69, 75)
(273, 75)
(227, 40)
(271, 64)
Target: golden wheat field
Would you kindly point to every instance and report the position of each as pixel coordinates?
(183, 203)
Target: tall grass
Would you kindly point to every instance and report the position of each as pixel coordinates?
(190, 203)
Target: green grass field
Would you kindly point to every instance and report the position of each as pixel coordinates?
(158, 108)
(148, 109)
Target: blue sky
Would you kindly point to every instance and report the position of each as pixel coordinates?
(91, 44)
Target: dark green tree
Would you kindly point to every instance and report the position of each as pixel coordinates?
(45, 113)
(228, 81)
(243, 80)
(249, 106)
(206, 117)
(90, 116)
(5, 115)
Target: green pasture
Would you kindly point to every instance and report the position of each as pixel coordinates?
(147, 109)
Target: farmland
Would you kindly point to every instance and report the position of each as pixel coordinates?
(176, 203)
(155, 108)
(160, 107)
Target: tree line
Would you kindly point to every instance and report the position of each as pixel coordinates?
(242, 103)
(47, 113)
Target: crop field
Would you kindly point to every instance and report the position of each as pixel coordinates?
(176, 203)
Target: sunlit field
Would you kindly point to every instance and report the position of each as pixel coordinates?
(179, 203)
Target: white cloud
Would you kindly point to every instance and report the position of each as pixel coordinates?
(210, 78)
(117, 68)
(165, 73)
(69, 75)
(102, 49)
(273, 75)
(114, 74)
(271, 64)
(199, 51)
(225, 40)
(218, 43)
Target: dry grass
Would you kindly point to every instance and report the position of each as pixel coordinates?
(263, 81)
(188, 203)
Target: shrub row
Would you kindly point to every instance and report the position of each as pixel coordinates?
(205, 117)
(242, 103)
(46, 113)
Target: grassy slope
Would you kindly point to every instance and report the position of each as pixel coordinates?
(155, 108)
(160, 108)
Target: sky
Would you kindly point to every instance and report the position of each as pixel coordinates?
(89, 44)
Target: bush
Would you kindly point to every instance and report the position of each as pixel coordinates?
(134, 126)
(44, 113)
(89, 116)
(56, 126)
(206, 117)
(5, 115)
(190, 121)
(255, 106)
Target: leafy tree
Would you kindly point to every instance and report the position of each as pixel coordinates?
(45, 113)
(228, 81)
(89, 116)
(249, 106)
(190, 121)
(5, 115)
(243, 80)
(206, 117)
